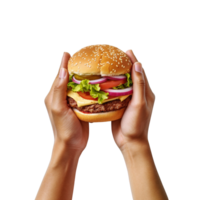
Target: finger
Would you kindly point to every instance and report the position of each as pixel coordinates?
(59, 91)
(64, 62)
(138, 84)
(131, 56)
(149, 91)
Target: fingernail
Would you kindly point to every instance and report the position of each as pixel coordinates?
(62, 74)
(138, 67)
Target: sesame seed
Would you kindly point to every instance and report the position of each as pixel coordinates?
(111, 63)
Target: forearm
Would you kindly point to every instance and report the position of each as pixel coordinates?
(58, 182)
(143, 176)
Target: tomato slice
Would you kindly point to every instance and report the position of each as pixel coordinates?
(86, 95)
(111, 83)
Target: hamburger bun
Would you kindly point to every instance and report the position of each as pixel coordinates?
(100, 117)
(103, 60)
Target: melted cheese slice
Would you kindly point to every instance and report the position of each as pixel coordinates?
(85, 102)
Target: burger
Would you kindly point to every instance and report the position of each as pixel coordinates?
(100, 85)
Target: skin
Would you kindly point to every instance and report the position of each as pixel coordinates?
(130, 134)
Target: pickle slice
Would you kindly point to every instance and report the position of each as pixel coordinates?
(89, 77)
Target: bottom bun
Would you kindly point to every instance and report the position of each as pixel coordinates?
(100, 117)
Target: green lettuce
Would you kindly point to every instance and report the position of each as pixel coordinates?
(125, 85)
(84, 86)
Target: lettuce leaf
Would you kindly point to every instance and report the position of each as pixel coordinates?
(94, 89)
(125, 85)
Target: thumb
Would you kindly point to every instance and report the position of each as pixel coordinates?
(59, 91)
(138, 83)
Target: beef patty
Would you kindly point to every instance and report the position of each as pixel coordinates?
(96, 108)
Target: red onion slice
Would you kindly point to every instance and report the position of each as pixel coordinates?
(119, 92)
(100, 80)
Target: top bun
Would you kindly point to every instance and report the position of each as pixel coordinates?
(102, 60)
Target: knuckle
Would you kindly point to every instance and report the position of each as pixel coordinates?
(139, 105)
(57, 87)
(57, 110)
(140, 81)
(142, 104)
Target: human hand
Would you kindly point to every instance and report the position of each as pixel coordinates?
(68, 129)
(135, 122)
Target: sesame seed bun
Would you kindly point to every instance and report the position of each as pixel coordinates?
(102, 60)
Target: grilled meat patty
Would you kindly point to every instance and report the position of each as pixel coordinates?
(96, 108)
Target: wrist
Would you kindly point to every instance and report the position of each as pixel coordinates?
(62, 155)
(135, 147)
